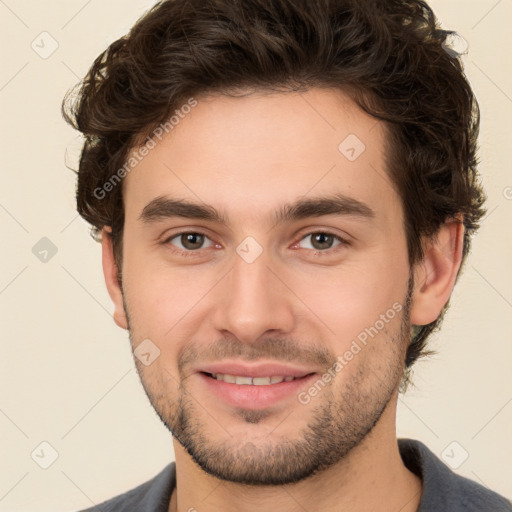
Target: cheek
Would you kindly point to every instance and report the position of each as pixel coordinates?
(161, 299)
(351, 299)
(357, 317)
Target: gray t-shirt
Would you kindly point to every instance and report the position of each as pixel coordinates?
(443, 490)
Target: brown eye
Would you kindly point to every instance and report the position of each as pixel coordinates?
(192, 240)
(188, 242)
(321, 241)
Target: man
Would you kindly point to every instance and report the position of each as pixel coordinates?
(285, 193)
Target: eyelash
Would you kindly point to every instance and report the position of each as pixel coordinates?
(316, 253)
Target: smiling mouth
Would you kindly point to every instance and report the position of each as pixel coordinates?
(253, 381)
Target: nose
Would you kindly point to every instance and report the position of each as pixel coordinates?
(253, 299)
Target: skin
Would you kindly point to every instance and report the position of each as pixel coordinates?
(247, 157)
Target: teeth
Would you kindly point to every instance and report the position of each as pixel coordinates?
(243, 380)
(261, 381)
(256, 381)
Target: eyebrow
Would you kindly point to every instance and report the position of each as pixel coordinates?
(162, 208)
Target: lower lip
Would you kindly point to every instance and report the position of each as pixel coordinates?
(255, 397)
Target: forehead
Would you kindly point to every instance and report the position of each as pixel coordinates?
(251, 154)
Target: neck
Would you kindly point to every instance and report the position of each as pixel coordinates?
(371, 477)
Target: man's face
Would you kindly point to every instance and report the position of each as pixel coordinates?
(260, 290)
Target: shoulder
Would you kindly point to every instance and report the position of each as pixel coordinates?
(151, 496)
(444, 489)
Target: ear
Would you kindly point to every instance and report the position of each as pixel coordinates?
(111, 273)
(435, 275)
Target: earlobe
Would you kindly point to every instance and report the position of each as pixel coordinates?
(111, 273)
(435, 276)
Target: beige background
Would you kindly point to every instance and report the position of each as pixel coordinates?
(67, 376)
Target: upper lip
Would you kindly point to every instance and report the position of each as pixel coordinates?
(269, 369)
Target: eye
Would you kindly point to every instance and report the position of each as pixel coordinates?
(190, 241)
(322, 241)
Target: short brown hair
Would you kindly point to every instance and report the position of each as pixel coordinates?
(390, 56)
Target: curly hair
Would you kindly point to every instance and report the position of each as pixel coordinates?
(390, 56)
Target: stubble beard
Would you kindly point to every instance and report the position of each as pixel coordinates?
(340, 419)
